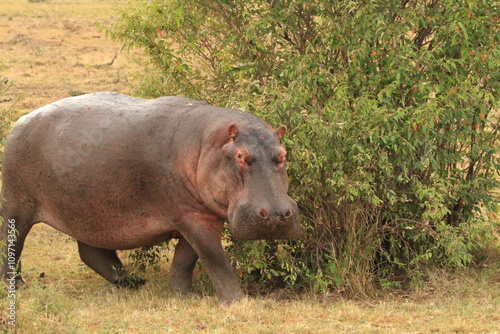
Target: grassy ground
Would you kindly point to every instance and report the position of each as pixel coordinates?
(51, 50)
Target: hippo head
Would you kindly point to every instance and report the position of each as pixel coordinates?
(245, 181)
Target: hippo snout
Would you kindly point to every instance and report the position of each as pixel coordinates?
(253, 221)
(275, 215)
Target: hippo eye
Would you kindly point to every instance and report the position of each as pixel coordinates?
(280, 158)
(243, 157)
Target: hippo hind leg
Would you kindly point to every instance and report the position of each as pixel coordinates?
(17, 222)
(106, 263)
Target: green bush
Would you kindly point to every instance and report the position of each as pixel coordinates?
(392, 111)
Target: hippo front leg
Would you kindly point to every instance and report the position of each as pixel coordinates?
(205, 237)
(181, 271)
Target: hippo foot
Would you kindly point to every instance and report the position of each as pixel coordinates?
(184, 293)
(14, 283)
(130, 282)
(231, 300)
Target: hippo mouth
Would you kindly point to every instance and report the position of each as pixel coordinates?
(250, 223)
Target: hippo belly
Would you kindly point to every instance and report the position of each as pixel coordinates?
(127, 232)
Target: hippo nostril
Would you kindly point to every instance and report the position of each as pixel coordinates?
(263, 213)
(288, 213)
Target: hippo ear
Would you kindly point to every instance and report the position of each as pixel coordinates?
(233, 131)
(281, 131)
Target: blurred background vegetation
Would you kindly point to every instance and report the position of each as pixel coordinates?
(6, 114)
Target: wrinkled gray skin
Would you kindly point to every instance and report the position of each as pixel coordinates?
(117, 172)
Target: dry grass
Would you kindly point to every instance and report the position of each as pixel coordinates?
(51, 50)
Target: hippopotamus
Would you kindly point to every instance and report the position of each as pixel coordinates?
(117, 172)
